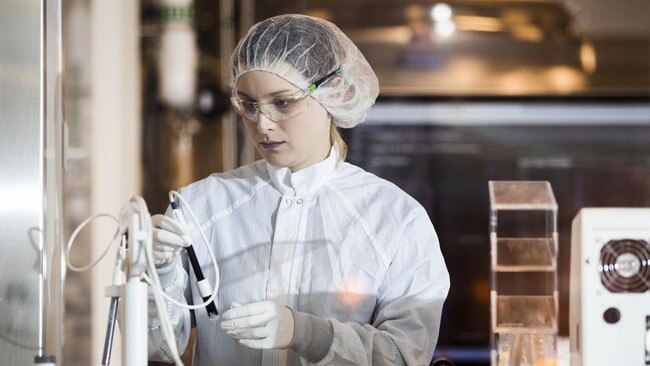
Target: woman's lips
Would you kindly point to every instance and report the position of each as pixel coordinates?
(270, 145)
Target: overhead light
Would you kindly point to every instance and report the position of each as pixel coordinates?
(527, 32)
(445, 29)
(478, 23)
(565, 79)
(588, 57)
(441, 13)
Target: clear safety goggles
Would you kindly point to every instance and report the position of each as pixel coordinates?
(278, 109)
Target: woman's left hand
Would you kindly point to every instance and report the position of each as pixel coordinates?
(262, 325)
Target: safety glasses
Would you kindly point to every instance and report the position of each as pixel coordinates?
(278, 109)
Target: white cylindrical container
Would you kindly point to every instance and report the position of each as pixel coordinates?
(134, 344)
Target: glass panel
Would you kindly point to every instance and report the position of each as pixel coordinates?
(525, 254)
(524, 295)
(523, 224)
(524, 283)
(527, 349)
(517, 195)
(525, 314)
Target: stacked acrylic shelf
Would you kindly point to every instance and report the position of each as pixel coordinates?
(523, 296)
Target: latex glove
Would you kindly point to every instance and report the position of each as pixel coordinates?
(170, 237)
(262, 325)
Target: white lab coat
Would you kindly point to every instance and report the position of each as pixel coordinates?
(331, 240)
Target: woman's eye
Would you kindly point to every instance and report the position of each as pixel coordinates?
(247, 104)
(282, 103)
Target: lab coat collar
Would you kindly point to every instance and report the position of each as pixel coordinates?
(305, 180)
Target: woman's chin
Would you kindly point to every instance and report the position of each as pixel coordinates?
(276, 160)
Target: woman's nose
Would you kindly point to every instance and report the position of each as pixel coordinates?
(264, 123)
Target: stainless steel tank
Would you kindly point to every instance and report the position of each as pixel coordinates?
(31, 149)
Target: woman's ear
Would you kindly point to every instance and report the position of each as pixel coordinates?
(335, 83)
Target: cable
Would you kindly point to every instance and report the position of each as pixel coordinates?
(150, 276)
(74, 236)
(145, 277)
(168, 332)
(215, 289)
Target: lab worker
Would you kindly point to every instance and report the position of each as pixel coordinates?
(320, 261)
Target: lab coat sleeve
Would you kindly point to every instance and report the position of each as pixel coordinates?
(174, 280)
(405, 326)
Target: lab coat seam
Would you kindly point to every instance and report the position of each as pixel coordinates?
(409, 220)
(229, 210)
(362, 222)
(221, 179)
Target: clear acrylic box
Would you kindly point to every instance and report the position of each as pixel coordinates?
(523, 278)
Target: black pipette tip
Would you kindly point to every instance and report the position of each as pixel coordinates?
(211, 308)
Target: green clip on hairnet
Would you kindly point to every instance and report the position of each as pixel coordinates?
(314, 55)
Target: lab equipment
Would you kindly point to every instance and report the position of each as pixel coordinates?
(135, 225)
(31, 183)
(178, 55)
(523, 294)
(134, 270)
(202, 283)
(302, 50)
(610, 282)
(118, 280)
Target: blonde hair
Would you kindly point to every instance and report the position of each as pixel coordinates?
(337, 139)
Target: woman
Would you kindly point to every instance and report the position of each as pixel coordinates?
(320, 261)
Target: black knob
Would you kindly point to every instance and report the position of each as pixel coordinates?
(443, 361)
(212, 102)
(612, 315)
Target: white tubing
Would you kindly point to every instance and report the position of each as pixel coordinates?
(152, 281)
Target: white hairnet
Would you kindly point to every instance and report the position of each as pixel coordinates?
(313, 48)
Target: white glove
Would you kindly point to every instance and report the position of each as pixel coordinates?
(170, 237)
(262, 325)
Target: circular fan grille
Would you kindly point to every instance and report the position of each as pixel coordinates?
(625, 265)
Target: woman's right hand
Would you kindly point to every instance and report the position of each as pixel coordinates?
(170, 237)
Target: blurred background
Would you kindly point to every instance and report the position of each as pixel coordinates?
(471, 91)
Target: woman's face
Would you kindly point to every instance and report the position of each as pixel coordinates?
(297, 142)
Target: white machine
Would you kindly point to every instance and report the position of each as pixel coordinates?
(134, 271)
(610, 287)
(137, 221)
